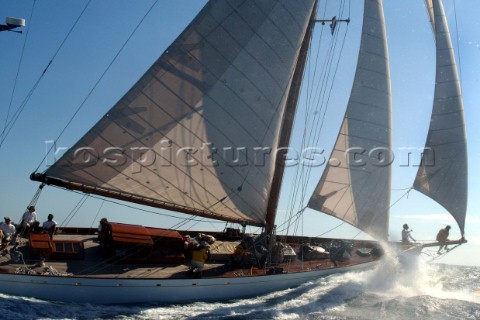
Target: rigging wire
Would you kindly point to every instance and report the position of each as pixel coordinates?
(33, 202)
(98, 81)
(310, 83)
(322, 95)
(324, 106)
(438, 255)
(133, 207)
(8, 127)
(74, 211)
(299, 169)
(98, 212)
(18, 72)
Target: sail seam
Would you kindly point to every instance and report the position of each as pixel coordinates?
(439, 114)
(252, 57)
(251, 54)
(220, 24)
(370, 105)
(447, 143)
(372, 140)
(280, 29)
(447, 129)
(373, 70)
(163, 179)
(218, 201)
(374, 36)
(282, 4)
(372, 88)
(188, 105)
(369, 122)
(448, 81)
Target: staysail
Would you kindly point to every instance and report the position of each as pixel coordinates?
(355, 185)
(198, 132)
(442, 174)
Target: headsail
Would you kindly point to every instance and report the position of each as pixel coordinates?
(443, 172)
(355, 185)
(197, 132)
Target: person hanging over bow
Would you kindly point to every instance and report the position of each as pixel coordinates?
(406, 234)
(442, 238)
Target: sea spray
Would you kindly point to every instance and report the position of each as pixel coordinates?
(384, 276)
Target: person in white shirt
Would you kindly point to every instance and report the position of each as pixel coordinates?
(7, 230)
(29, 220)
(406, 236)
(50, 225)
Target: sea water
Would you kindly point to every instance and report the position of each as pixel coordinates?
(421, 290)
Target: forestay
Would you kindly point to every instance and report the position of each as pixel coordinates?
(355, 185)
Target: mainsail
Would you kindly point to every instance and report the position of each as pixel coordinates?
(198, 132)
(355, 185)
(443, 172)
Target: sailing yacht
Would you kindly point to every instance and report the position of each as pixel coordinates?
(230, 85)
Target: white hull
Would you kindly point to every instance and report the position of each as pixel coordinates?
(120, 291)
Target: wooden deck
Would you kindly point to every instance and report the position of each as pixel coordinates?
(95, 265)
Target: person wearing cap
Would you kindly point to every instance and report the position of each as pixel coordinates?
(50, 225)
(29, 220)
(406, 236)
(442, 238)
(7, 230)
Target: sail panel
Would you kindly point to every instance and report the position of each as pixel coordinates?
(197, 131)
(355, 186)
(443, 172)
(429, 6)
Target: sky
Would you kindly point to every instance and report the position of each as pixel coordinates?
(78, 64)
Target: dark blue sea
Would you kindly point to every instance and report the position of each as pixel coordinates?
(391, 291)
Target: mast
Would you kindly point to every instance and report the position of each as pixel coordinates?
(287, 126)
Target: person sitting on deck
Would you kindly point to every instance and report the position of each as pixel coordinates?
(7, 231)
(50, 226)
(29, 221)
(442, 238)
(406, 236)
(241, 256)
(199, 256)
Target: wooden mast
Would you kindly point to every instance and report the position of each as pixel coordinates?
(286, 130)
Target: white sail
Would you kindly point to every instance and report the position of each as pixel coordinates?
(197, 133)
(443, 173)
(355, 185)
(431, 14)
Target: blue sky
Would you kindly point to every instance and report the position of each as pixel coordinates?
(104, 28)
